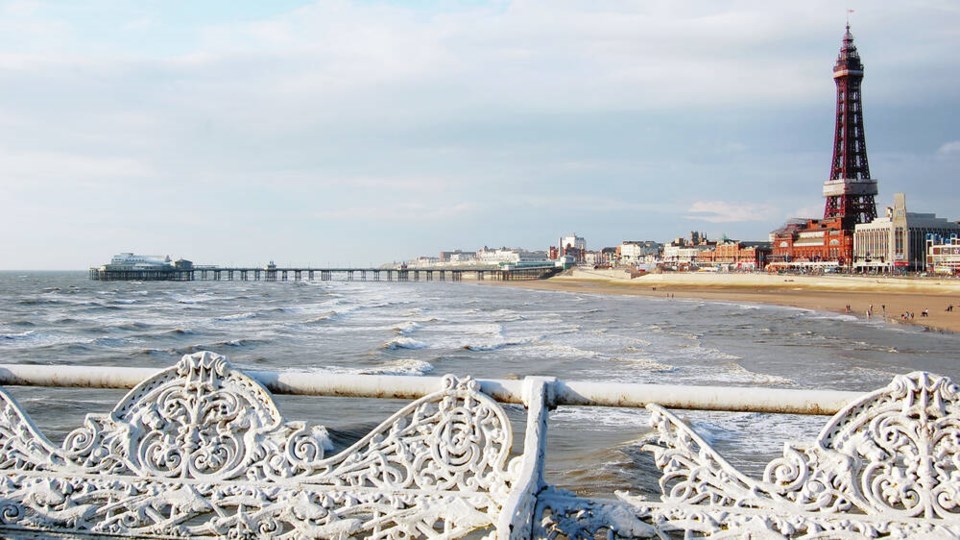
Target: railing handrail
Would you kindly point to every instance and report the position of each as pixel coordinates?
(560, 392)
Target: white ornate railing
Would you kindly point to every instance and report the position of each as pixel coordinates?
(200, 450)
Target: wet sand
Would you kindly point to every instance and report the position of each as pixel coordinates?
(889, 298)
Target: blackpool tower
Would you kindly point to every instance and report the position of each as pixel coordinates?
(850, 190)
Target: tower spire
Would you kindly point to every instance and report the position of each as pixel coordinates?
(850, 190)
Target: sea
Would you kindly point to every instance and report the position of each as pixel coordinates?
(466, 328)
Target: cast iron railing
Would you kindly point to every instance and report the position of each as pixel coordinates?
(200, 450)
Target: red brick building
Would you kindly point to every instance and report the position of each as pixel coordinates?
(812, 242)
(736, 255)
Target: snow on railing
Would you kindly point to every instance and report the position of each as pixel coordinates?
(200, 450)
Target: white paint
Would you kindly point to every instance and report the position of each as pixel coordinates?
(200, 450)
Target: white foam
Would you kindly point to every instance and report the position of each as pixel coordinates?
(19, 336)
(556, 350)
(328, 316)
(755, 433)
(196, 299)
(734, 372)
(406, 366)
(622, 419)
(403, 342)
(406, 328)
(649, 365)
(236, 317)
(496, 345)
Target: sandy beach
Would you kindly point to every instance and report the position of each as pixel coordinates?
(892, 299)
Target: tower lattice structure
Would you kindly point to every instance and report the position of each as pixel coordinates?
(850, 191)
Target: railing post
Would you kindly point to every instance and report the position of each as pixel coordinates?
(516, 520)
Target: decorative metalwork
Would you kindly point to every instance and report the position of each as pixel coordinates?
(200, 450)
(887, 465)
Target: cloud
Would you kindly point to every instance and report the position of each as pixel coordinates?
(398, 213)
(951, 148)
(528, 114)
(727, 212)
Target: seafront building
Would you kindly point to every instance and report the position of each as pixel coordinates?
(485, 256)
(735, 255)
(498, 256)
(943, 255)
(632, 252)
(573, 245)
(681, 253)
(849, 192)
(128, 261)
(898, 240)
(457, 256)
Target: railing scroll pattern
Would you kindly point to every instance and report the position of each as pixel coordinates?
(887, 465)
(200, 450)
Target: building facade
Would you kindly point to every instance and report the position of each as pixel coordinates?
(682, 253)
(638, 251)
(736, 255)
(898, 241)
(943, 255)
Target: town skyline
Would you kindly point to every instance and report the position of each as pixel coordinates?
(363, 132)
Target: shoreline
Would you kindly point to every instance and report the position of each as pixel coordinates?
(889, 298)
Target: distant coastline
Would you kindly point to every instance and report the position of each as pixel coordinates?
(889, 298)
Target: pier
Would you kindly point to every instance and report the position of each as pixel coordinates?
(272, 273)
(200, 450)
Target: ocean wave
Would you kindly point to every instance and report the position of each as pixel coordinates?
(821, 316)
(406, 366)
(127, 325)
(197, 299)
(505, 315)
(29, 334)
(403, 342)
(324, 317)
(557, 350)
(180, 332)
(766, 433)
(406, 328)
(883, 375)
(237, 317)
(484, 347)
(231, 343)
(737, 373)
(39, 302)
(648, 365)
(603, 416)
(698, 352)
(23, 324)
(498, 342)
(110, 342)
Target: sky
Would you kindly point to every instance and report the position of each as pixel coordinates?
(342, 132)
